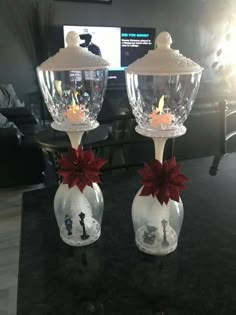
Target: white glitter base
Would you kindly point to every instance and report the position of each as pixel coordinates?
(157, 248)
(94, 232)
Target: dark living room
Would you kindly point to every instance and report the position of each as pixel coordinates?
(118, 157)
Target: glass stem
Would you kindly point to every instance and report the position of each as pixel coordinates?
(159, 144)
(75, 138)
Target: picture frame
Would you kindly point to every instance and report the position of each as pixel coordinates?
(89, 1)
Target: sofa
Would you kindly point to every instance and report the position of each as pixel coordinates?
(21, 159)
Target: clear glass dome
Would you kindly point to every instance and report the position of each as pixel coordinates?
(79, 214)
(73, 98)
(157, 227)
(162, 102)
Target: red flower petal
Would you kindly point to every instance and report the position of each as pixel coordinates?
(146, 191)
(80, 168)
(163, 181)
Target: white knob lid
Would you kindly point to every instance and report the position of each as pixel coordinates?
(73, 39)
(163, 60)
(164, 40)
(73, 57)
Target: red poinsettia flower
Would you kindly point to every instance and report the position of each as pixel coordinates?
(163, 181)
(80, 168)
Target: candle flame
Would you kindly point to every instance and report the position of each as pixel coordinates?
(158, 117)
(161, 104)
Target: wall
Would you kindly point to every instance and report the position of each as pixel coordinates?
(120, 13)
(197, 27)
(15, 67)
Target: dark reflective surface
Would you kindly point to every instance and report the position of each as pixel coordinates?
(112, 276)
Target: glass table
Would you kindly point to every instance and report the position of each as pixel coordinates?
(112, 276)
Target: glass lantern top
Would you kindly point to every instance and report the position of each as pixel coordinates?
(163, 60)
(73, 57)
(73, 83)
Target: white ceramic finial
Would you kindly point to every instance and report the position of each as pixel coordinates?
(73, 58)
(164, 60)
(164, 41)
(73, 39)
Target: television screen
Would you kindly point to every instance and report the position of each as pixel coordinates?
(120, 46)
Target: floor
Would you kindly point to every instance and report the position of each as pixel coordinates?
(10, 219)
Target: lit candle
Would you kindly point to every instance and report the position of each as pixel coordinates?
(75, 113)
(158, 117)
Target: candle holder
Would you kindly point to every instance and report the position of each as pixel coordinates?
(73, 83)
(162, 87)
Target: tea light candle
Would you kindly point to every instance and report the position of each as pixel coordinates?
(158, 117)
(75, 113)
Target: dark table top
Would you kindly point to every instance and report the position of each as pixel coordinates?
(112, 276)
(53, 140)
